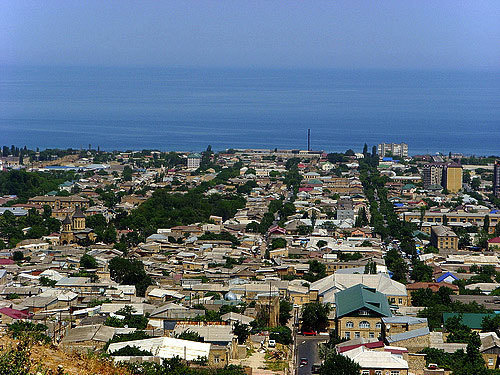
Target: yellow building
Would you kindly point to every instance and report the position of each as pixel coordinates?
(443, 237)
(73, 229)
(452, 179)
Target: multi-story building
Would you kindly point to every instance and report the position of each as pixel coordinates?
(393, 149)
(193, 161)
(443, 238)
(358, 312)
(58, 203)
(447, 175)
(432, 174)
(454, 218)
(496, 179)
(345, 209)
(452, 177)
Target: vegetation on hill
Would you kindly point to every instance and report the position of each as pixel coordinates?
(13, 227)
(29, 184)
(165, 210)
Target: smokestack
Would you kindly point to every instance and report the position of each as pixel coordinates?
(308, 139)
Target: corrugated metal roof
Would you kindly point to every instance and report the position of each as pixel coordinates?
(358, 297)
(167, 347)
(408, 335)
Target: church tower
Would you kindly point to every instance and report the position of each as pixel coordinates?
(67, 231)
(78, 219)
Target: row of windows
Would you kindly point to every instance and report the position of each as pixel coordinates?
(362, 324)
(393, 300)
(357, 335)
(379, 372)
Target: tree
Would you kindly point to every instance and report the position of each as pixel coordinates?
(286, 308)
(278, 243)
(421, 271)
(131, 351)
(486, 223)
(130, 272)
(88, 261)
(242, 331)
(365, 150)
(490, 323)
(458, 332)
(337, 364)
(17, 256)
(315, 316)
(127, 173)
(371, 268)
(189, 335)
(321, 243)
(281, 334)
(45, 281)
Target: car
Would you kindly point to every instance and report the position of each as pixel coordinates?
(309, 333)
(272, 343)
(303, 362)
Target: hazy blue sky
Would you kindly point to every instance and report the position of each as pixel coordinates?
(434, 34)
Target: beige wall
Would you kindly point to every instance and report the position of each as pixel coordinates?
(348, 332)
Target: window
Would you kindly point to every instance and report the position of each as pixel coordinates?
(490, 361)
(378, 372)
(395, 372)
(349, 325)
(378, 325)
(400, 301)
(365, 372)
(364, 324)
(357, 335)
(347, 335)
(372, 335)
(364, 312)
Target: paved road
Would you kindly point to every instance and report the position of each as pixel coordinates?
(307, 347)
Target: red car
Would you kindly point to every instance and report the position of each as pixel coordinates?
(309, 333)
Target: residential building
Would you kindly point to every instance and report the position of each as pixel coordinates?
(358, 312)
(393, 149)
(496, 179)
(193, 161)
(376, 362)
(474, 218)
(452, 178)
(58, 203)
(443, 238)
(432, 174)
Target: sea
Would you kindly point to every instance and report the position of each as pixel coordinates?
(135, 108)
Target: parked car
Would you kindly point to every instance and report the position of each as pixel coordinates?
(272, 343)
(309, 333)
(303, 362)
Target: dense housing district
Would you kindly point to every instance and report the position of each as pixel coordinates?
(251, 261)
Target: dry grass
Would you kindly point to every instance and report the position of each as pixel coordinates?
(51, 358)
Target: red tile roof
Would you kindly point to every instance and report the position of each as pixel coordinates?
(14, 314)
(432, 286)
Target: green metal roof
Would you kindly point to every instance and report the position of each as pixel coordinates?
(471, 320)
(358, 297)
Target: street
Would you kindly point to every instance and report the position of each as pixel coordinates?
(307, 347)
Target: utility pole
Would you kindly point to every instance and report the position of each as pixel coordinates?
(308, 139)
